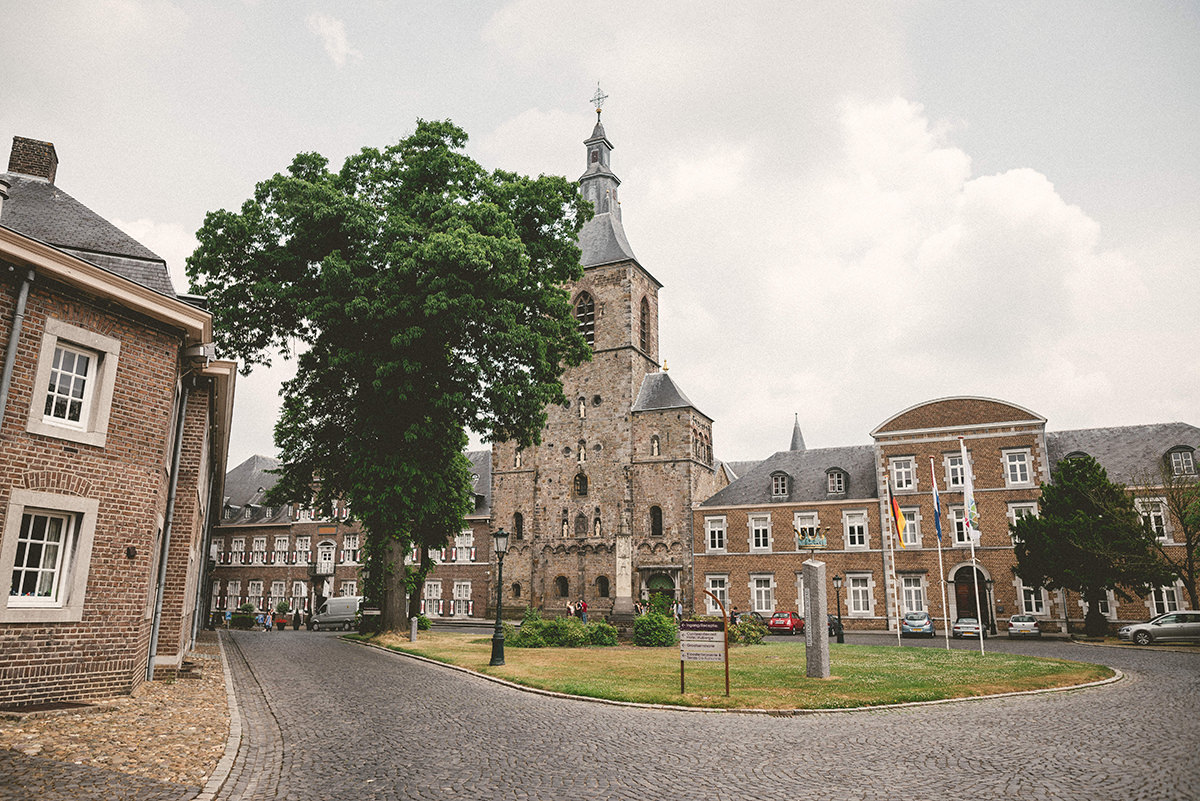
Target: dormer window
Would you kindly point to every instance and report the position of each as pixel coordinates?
(585, 315)
(836, 482)
(779, 485)
(1183, 462)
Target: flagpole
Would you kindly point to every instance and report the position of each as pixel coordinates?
(971, 512)
(937, 519)
(892, 556)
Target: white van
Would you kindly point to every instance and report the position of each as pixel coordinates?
(337, 613)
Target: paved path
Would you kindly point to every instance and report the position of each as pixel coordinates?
(328, 719)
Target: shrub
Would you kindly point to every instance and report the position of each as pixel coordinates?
(423, 623)
(601, 633)
(282, 608)
(654, 630)
(748, 632)
(242, 619)
(662, 604)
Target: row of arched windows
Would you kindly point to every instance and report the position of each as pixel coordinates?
(562, 587)
(581, 527)
(585, 316)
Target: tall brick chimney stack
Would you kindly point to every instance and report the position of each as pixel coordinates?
(34, 158)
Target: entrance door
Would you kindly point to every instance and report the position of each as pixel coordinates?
(964, 595)
(661, 584)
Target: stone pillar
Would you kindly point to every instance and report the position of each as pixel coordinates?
(622, 612)
(816, 607)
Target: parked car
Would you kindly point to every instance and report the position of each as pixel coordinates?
(967, 627)
(1171, 627)
(1023, 626)
(785, 623)
(917, 624)
(834, 625)
(740, 616)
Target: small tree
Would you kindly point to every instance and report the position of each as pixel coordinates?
(1180, 494)
(1087, 538)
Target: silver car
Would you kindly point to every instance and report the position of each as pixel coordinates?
(1023, 626)
(967, 627)
(1171, 627)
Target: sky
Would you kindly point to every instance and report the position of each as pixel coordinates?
(853, 207)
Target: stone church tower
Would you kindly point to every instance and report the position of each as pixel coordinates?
(601, 510)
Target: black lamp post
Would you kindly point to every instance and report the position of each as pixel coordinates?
(989, 583)
(500, 541)
(837, 585)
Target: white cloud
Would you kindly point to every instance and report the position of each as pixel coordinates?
(332, 33)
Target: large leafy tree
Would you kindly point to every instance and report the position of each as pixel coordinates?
(1087, 538)
(1180, 495)
(424, 296)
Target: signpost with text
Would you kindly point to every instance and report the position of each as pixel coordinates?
(703, 641)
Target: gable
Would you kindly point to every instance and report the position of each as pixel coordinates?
(956, 413)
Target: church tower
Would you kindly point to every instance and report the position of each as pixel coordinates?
(601, 510)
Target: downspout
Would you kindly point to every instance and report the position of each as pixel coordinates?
(10, 354)
(166, 540)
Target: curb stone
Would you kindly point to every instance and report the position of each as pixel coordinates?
(221, 773)
(1116, 677)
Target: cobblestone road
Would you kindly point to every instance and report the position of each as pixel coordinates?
(327, 719)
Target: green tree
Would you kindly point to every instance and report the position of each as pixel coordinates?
(1087, 538)
(1180, 495)
(424, 296)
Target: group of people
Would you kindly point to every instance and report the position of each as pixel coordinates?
(578, 609)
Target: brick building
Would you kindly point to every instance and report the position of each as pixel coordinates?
(752, 537)
(601, 510)
(114, 424)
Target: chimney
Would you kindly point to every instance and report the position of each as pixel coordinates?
(33, 158)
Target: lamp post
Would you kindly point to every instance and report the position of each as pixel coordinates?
(837, 585)
(989, 583)
(500, 541)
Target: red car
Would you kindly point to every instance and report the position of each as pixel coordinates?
(785, 622)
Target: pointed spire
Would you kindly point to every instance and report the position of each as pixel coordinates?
(797, 437)
(602, 240)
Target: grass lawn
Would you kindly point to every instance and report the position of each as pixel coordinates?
(767, 676)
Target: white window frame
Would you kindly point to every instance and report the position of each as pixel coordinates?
(464, 541)
(957, 517)
(1165, 599)
(860, 587)
(233, 592)
(718, 585)
(760, 591)
(1153, 511)
(1018, 510)
(1032, 600)
(715, 534)
(461, 592)
(350, 548)
(806, 524)
(74, 562)
(835, 482)
(911, 536)
(852, 517)
(276, 597)
(956, 472)
(759, 533)
(779, 485)
(431, 596)
(349, 588)
(281, 543)
(1183, 463)
(92, 428)
(1021, 458)
(912, 593)
(255, 590)
(904, 473)
(1108, 606)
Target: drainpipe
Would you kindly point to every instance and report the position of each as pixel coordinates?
(10, 355)
(166, 541)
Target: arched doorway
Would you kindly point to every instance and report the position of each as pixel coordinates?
(660, 584)
(966, 581)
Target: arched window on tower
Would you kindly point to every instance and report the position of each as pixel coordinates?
(602, 586)
(656, 526)
(580, 486)
(516, 590)
(518, 526)
(560, 586)
(585, 314)
(644, 338)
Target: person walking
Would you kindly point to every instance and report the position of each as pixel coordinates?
(296, 620)
(583, 610)
(570, 609)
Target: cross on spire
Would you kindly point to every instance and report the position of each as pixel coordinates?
(598, 100)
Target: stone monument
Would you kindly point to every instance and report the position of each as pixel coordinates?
(816, 609)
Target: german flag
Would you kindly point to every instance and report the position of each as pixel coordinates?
(897, 515)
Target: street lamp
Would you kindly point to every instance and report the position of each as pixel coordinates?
(989, 583)
(500, 541)
(837, 585)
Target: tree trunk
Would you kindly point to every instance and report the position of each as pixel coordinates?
(395, 593)
(1095, 624)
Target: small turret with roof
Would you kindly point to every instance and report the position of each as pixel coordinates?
(602, 240)
(797, 437)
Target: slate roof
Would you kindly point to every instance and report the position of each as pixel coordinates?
(40, 210)
(807, 471)
(742, 468)
(660, 392)
(1127, 453)
(602, 241)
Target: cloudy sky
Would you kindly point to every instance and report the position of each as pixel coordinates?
(854, 207)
